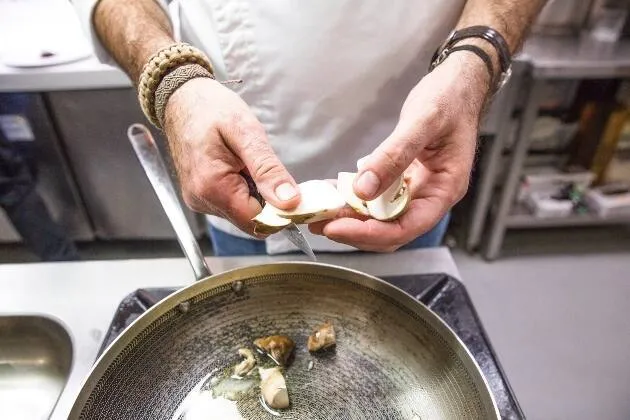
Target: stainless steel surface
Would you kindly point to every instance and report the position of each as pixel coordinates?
(149, 156)
(576, 57)
(92, 126)
(85, 74)
(7, 232)
(394, 358)
(535, 89)
(55, 182)
(519, 217)
(562, 17)
(35, 361)
(294, 234)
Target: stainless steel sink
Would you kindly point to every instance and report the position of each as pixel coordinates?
(35, 362)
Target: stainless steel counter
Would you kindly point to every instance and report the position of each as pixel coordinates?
(83, 74)
(83, 296)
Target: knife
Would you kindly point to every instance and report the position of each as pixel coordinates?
(292, 232)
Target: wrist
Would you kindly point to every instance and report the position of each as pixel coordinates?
(472, 76)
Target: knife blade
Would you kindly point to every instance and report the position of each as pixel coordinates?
(291, 232)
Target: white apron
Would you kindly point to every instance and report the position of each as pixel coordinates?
(326, 78)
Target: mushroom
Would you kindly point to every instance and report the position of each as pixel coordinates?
(388, 206)
(392, 203)
(345, 182)
(273, 387)
(268, 222)
(323, 337)
(278, 347)
(247, 364)
(320, 201)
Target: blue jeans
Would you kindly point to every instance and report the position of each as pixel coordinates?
(226, 245)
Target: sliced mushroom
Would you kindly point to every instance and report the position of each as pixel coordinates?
(345, 186)
(247, 364)
(273, 388)
(320, 200)
(278, 347)
(388, 206)
(268, 222)
(323, 337)
(392, 203)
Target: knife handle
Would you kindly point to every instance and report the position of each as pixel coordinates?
(253, 190)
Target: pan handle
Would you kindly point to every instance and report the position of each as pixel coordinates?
(149, 156)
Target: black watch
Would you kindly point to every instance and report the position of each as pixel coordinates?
(483, 32)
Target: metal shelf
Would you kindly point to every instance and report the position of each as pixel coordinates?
(576, 57)
(521, 218)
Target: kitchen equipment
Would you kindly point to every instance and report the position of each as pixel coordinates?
(444, 295)
(91, 125)
(292, 232)
(395, 359)
(35, 362)
(26, 122)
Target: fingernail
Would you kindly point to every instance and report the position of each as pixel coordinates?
(285, 191)
(368, 184)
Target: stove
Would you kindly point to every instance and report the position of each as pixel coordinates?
(443, 294)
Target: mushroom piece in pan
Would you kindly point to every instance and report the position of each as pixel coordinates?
(322, 338)
(273, 388)
(247, 364)
(278, 347)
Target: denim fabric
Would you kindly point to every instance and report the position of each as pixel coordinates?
(226, 245)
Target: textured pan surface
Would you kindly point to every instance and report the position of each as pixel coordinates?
(394, 359)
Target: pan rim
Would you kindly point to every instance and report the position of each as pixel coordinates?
(228, 277)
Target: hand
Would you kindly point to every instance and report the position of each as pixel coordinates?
(433, 144)
(213, 135)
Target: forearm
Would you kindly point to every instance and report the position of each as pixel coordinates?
(511, 18)
(132, 31)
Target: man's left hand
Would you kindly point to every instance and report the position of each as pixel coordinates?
(433, 144)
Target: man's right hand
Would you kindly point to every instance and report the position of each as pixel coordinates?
(213, 135)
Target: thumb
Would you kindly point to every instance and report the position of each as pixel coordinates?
(387, 162)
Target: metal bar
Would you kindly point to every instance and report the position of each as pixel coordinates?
(151, 160)
(490, 167)
(517, 162)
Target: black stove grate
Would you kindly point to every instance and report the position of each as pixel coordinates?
(444, 295)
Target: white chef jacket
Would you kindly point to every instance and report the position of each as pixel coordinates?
(326, 78)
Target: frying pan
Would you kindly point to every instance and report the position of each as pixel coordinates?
(394, 358)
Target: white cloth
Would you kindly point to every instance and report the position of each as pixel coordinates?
(326, 78)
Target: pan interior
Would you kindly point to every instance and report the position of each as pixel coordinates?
(390, 362)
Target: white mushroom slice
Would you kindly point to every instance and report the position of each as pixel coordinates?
(268, 221)
(246, 364)
(392, 203)
(274, 388)
(320, 200)
(345, 182)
